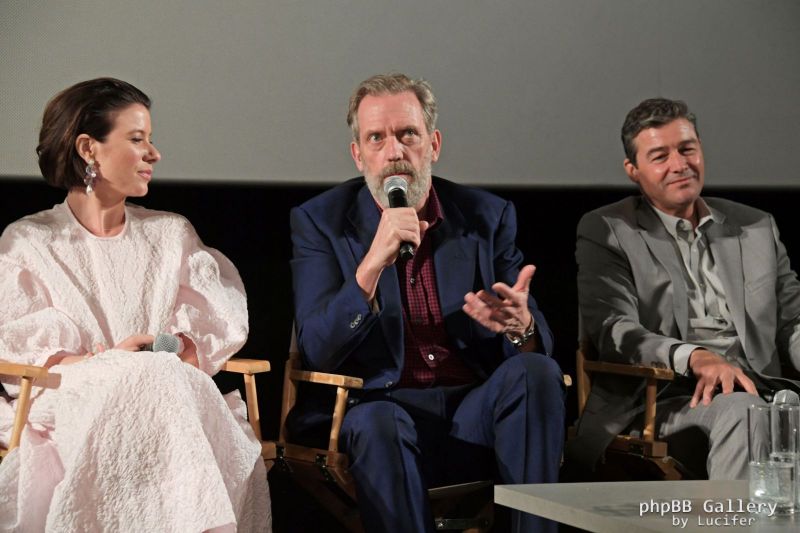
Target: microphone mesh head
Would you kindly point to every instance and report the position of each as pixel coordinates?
(395, 182)
(786, 397)
(166, 343)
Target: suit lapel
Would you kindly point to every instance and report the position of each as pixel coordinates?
(364, 217)
(726, 248)
(454, 260)
(660, 244)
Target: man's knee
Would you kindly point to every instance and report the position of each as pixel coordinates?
(730, 417)
(729, 435)
(374, 424)
(540, 372)
(739, 400)
(733, 406)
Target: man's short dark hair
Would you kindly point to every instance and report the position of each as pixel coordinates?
(652, 113)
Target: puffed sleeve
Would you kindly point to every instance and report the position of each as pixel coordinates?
(211, 305)
(31, 329)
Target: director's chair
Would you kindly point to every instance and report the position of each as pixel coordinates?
(324, 474)
(635, 456)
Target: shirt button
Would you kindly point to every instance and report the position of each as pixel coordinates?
(411, 280)
(388, 384)
(431, 357)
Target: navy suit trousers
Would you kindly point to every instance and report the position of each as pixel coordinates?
(401, 442)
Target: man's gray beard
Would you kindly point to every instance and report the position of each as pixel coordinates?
(417, 187)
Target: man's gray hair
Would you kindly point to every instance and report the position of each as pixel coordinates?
(393, 83)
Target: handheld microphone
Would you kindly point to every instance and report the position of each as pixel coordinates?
(395, 188)
(164, 342)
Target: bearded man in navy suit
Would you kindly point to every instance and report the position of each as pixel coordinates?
(454, 353)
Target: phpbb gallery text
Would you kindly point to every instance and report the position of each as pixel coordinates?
(716, 513)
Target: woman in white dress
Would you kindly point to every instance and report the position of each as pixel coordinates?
(121, 438)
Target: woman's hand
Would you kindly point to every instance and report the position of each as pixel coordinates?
(69, 359)
(134, 343)
(189, 353)
(62, 359)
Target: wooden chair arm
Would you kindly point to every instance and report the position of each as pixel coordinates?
(336, 380)
(343, 386)
(27, 374)
(295, 374)
(650, 373)
(602, 367)
(587, 366)
(246, 366)
(22, 371)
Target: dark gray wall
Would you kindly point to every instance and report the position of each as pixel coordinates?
(531, 92)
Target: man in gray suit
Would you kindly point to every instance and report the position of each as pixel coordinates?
(701, 285)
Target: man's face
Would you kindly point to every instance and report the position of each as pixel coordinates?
(669, 167)
(393, 140)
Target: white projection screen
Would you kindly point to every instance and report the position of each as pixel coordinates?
(531, 92)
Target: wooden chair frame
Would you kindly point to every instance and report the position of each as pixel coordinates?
(248, 368)
(324, 472)
(28, 374)
(644, 447)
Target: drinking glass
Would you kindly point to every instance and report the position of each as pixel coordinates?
(772, 449)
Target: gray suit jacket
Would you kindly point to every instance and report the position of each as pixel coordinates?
(634, 307)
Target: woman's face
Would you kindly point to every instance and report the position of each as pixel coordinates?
(124, 161)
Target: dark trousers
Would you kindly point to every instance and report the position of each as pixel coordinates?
(401, 442)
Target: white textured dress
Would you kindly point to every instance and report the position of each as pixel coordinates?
(124, 441)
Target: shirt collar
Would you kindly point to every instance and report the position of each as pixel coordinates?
(672, 223)
(432, 211)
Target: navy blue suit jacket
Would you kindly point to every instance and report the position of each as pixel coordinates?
(337, 331)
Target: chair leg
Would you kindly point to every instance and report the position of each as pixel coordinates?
(252, 404)
(21, 416)
(346, 515)
(459, 508)
(650, 410)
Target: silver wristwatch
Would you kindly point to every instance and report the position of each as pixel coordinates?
(520, 341)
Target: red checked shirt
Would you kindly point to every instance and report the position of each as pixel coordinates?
(429, 355)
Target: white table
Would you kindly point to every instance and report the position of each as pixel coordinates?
(616, 507)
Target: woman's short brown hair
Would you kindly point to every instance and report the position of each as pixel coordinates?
(87, 107)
